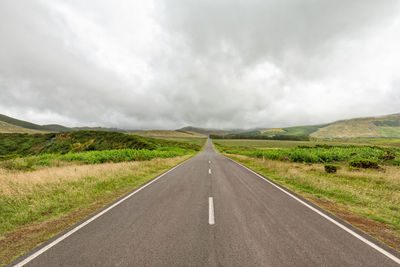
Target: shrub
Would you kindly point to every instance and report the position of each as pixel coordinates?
(389, 155)
(330, 168)
(364, 163)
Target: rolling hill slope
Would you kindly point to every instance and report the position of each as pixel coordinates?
(203, 131)
(382, 126)
(22, 124)
(12, 125)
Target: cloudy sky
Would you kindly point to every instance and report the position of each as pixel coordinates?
(209, 63)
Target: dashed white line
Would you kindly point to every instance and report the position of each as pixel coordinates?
(209, 171)
(211, 219)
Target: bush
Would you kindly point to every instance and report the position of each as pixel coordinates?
(330, 168)
(389, 155)
(364, 163)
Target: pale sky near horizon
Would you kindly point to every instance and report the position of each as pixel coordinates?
(208, 63)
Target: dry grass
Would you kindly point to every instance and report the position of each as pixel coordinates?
(368, 199)
(346, 129)
(10, 181)
(279, 130)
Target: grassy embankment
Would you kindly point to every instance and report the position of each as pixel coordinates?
(368, 198)
(47, 185)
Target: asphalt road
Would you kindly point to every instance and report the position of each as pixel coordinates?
(210, 211)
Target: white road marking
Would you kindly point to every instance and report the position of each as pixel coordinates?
(61, 238)
(209, 162)
(366, 241)
(209, 171)
(211, 219)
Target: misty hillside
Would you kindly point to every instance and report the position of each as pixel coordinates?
(12, 125)
(382, 126)
(203, 131)
(22, 124)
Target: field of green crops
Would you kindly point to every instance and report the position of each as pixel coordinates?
(92, 157)
(318, 153)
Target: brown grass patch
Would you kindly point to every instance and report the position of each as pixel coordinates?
(13, 180)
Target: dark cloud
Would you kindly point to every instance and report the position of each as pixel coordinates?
(166, 64)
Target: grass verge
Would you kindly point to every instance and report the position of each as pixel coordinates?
(45, 202)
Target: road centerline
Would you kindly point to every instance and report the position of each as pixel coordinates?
(211, 219)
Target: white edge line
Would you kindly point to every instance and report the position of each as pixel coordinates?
(77, 228)
(366, 241)
(211, 219)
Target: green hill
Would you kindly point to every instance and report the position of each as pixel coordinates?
(12, 125)
(11, 128)
(21, 123)
(203, 131)
(382, 126)
(78, 141)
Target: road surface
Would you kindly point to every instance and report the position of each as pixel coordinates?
(210, 211)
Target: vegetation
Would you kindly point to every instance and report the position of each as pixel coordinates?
(384, 126)
(20, 145)
(92, 157)
(262, 137)
(21, 123)
(364, 163)
(322, 154)
(330, 168)
(168, 134)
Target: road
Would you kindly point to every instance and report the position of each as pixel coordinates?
(209, 211)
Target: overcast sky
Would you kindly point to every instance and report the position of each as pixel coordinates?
(215, 63)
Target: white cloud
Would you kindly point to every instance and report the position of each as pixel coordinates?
(166, 64)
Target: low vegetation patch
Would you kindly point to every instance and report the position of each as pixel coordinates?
(323, 154)
(364, 163)
(330, 168)
(91, 157)
(79, 141)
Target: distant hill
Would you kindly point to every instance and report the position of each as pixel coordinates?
(203, 131)
(78, 141)
(56, 128)
(10, 128)
(86, 128)
(12, 125)
(22, 124)
(382, 126)
(167, 133)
